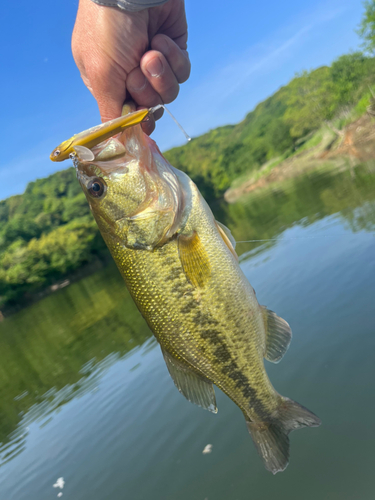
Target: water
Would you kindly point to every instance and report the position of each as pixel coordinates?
(85, 394)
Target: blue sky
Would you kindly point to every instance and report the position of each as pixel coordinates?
(240, 55)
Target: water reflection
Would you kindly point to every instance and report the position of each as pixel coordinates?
(267, 213)
(56, 350)
(60, 348)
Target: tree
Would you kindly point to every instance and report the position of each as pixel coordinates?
(309, 101)
(351, 74)
(366, 29)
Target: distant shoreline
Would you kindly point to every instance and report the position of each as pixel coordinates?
(353, 144)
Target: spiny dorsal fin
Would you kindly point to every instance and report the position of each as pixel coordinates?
(194, 259)
(278, 335)
(227, 237)
(194, 387)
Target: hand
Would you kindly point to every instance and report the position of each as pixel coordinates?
(139, 55)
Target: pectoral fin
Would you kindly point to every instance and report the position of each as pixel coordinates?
(278, 335)
(195, 388)
(227, 237)
(194, 259)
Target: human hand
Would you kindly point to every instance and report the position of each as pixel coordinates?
(142, 55)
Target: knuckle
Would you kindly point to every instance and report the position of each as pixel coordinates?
(184, 74)
(170, 95)
(182, 67)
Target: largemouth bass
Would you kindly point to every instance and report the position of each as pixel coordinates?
(182, 271)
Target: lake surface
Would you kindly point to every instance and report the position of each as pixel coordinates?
(85, 394)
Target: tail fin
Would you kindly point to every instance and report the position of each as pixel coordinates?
(271, 438)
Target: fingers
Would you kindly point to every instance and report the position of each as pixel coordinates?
(154, 82)
(160, 75)
(161, 71)
(148, 125)
(142, 93)
(177, 58)
(141, 90)
(110, 49)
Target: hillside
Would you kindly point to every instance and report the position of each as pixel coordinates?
(48, 233)
(279, 125)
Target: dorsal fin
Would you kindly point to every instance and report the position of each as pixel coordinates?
(278, 335)
(194, 387)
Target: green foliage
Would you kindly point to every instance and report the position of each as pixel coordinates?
(309, 101)
(278, 126)
(59, 343)
(44, 234)
(48, 231)
(351, 75)
(363, 104)
(366, 29)
(25, 267)
(215, 159)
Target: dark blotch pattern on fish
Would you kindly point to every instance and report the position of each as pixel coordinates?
(228, 365)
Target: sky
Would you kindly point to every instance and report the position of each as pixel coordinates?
(240, 55)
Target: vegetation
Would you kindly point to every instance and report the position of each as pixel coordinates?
(56, 349)
(44, 234)
(280, 124)
(48, 232)
(366, 28)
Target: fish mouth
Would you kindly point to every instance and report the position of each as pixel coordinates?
(105, 168)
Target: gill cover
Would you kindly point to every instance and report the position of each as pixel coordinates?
(142, 206)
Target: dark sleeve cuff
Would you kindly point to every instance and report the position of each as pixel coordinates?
(130, 5)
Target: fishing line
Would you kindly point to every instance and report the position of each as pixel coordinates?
(155, 108)
(291, 239)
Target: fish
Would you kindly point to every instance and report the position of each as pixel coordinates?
(181, 268)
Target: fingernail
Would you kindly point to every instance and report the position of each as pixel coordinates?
(155, 67)
(138, 82)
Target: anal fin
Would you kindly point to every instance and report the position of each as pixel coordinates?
(278, 335)
(194, 387)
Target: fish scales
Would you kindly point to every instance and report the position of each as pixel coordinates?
(182, 271)
(184, 321)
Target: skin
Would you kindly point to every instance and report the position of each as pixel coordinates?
(139, 55)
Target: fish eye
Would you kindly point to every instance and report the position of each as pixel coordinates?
(97, 187)
(56, 152)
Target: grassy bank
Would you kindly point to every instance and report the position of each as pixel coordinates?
(48, 233)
